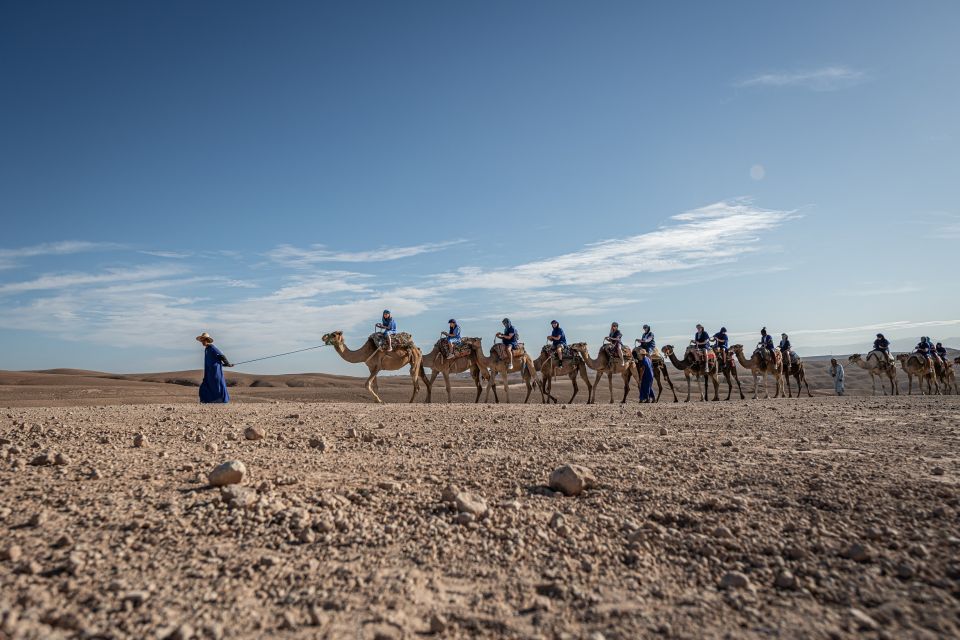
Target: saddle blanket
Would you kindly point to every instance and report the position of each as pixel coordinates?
(459, 350)
(399, 340)
(500, 350)
(567, 352)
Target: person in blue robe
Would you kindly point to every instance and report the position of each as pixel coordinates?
(557, 339)
(646, 378)
(213, 389)
(452, 336)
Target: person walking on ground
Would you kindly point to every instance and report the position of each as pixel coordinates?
(646, 378)
(213, 389)
(836, 372)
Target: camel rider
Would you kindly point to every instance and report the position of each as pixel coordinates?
(924, 346)
(766, 343)
(721, 342)
(615, 340)
(510, 338)
(785, 347)
(388, 327)
(882, 345)
(701, 340)
(557, 339)
(647, 341)
(452, 336)
(941, 352)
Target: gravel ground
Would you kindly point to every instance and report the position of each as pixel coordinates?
(813, 518)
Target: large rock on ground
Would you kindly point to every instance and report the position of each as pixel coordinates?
(230, 472)
(572, 479)
(468, 503)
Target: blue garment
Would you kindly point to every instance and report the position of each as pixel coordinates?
(514, 337)
(723, 340)
(214, 387)
(390, 324)
(453, 336)
(881, 344)
(647, 342)
(616, 337)
(785, 346)
(942, 352)
(560, 335)
(702, 338)
(923, 347)
(646, 380)
(767, 341)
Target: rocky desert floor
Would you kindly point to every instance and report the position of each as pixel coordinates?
(821, 517)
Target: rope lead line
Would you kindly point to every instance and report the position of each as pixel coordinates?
(237, 364)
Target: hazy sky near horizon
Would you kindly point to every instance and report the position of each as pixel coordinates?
(271, 172)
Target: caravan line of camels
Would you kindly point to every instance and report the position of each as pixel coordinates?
(539, 373)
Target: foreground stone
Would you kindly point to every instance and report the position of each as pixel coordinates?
(230, 472)
(572, 479)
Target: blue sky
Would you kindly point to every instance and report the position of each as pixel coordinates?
(269, 173)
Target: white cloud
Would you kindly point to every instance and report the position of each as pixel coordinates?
(711, 235)
(322, 283)
(823, 79)
(67, 280)
(173, 255)
(10, 257)
(315, 254)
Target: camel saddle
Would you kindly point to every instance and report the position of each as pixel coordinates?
(612, 351)
(459, 350)
(566, 354)
(881, 358)
(792, 355)
(501, 350)
(654, 356)
(401, 341)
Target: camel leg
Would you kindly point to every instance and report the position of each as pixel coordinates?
(609, 383)
(716, 386)
(506, 387)
(726, 374)
(576, 387)
(736, 377)
(433, 377)
(626, 386)
(806, 384)
(369, 384)
(446, 382)
(666, 376)
(687, 375)
(596, 385)
(491, 381)
(415, 376)
(478, 384)
(756, 386)
(656, 378)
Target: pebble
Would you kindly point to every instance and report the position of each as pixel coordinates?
(726, 443)
(469, 503)
(230, 472)
(722, 532)
(253, 433)
(937, 471)
(663, 431)
(438, 624)
(572, 479)
(785, 580)
(61, 460)
(862, 620)
(318, 443)
(140, 441)
(353, 433)
(238, 497)
(13, 553)
(734, 580)
(857, 552)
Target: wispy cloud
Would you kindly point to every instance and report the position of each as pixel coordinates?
(66, 280)
(10, 257)
(323, 283)
(317, 254)
(823, 79)
(714, 234)
(172, 255)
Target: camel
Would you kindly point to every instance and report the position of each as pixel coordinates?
(659, 369)
(494, 366)
(878, 367)
(695, 368)
(438, 363)
(604, 364)
(378, 360)
(729, 371)
(760, 368)
(917, 365)
(922, 367)
(547, 365)
(946, 377)
(791, 370)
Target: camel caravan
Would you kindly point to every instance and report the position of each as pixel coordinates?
(706, 360)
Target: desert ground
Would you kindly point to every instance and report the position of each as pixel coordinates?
(822, 517)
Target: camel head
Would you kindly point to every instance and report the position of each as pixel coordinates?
(579, 347)
(854, 358)
(666, 350)
(335, 338)
(737, 348)
(902, 357)
(473, 343)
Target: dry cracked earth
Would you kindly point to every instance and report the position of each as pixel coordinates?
(813, 518)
